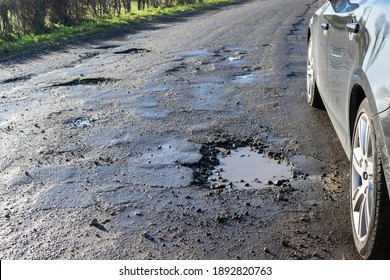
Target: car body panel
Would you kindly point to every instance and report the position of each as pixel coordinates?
(377, 70)
(320, 45)
(348, 60)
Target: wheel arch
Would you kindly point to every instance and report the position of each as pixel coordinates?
(357, 97)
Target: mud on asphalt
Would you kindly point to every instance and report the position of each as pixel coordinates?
(111, 147)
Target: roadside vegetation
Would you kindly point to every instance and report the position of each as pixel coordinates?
(26, 24)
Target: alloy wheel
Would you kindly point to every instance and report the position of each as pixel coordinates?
(362, 191)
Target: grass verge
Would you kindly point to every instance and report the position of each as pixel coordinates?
(58, 34)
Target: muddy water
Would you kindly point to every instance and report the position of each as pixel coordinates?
(244, 168)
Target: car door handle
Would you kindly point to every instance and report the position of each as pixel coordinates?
(325, 25)
(353, 27)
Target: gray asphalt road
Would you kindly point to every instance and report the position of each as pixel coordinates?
(108, 143)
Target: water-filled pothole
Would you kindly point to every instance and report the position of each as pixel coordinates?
(243, 168)
(262, 165)
(232, 58)
(79, 123)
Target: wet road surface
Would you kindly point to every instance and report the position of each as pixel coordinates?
(111, 145)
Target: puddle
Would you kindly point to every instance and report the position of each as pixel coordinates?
(251, 77)
(233, 58)
(79, 123)
(243, 168)
(244, 77)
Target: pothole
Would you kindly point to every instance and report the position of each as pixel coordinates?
(79, 123)
(86, 82)
(232, 165)
(232, 58)
(246, 167)
(17, 79)
(244, 77)
(132, 51)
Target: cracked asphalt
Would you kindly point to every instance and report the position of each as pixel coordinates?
(108, 143)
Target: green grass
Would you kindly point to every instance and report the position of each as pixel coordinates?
(58, 34)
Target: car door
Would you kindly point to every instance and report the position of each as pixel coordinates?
(346, 19)
(320, 44)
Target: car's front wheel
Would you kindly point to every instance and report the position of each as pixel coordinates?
(370, 204)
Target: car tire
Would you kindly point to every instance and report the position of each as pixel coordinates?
(312, 93)
(369, 199)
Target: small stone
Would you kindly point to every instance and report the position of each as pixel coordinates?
(285, 243)
(147, 235)
(279, 196)
(94, 222)
(266, 250)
